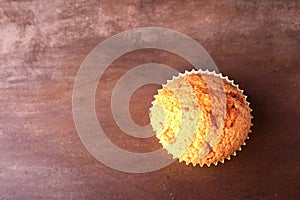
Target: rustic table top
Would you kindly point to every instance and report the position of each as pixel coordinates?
(42, 45)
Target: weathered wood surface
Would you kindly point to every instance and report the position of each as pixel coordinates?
(42, 44)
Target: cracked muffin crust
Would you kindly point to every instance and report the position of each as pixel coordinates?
(206, 107)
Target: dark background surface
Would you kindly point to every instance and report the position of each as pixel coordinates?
(42, 44)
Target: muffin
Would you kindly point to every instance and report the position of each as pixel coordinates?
(201, 117)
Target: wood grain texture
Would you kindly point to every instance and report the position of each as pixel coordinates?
(42, 44)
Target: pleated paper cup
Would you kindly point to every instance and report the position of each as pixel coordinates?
(201, 117)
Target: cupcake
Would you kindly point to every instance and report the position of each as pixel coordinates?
(201, 117)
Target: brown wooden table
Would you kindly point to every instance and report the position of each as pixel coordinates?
(42, 44)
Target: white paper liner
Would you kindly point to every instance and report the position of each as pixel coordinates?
(207, 72)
